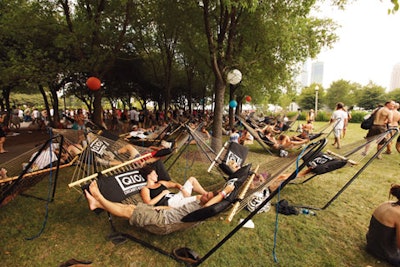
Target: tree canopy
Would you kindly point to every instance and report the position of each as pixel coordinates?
(172, 52)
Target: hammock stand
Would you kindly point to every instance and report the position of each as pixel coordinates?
(15, 184)
(186, 138)
(392, 133)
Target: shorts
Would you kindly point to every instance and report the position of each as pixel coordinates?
(178, 199)
(145, 215)
(337, 132)
(377, 130)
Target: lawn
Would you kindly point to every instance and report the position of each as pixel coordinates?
(335, 237)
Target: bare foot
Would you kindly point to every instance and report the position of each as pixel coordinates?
(93, 203)
(204, 198)
(94, 189)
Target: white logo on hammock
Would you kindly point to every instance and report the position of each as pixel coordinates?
(320, 160)
(232, 157)
(130, 182)
(98, 146)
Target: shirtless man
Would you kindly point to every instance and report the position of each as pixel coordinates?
(393, 125)
(383, 117)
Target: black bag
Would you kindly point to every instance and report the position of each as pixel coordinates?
(368, 121)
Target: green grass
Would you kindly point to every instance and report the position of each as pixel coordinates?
(335, 237)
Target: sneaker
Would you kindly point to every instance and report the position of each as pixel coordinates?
(283, 153)
(166, 144)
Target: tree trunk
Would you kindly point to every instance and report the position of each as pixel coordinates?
(97, 117)
(45, 100)
(216, 141)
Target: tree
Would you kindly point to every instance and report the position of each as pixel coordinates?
(371, 96)
(307, 97)
(341, 91)
(287, 37)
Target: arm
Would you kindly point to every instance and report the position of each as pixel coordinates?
(170, 184)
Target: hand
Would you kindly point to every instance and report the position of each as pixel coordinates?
(165, 192)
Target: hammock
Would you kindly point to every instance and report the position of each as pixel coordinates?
(31, 167)
(168, 132)
(270, 146)
(104, 151)
(231, 155)
(287, 126)
(120, 185)
(357, 155)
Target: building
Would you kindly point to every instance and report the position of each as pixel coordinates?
(395, 78)
(317, 72)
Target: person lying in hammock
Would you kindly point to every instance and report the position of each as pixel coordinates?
(322, 163)
(108, 158)
(156, 192)
(283, 141)
(47, 157)
(143, 214)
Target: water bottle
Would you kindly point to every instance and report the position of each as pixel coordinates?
(307, 212)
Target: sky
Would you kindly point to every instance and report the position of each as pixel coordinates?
(368, 46)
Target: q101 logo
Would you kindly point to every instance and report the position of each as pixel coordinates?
(130, 182)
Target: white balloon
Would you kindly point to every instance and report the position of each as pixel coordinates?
(234, 77)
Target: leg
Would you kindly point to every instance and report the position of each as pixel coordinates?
(219, 197)
(285, 141)
(196, 187)
(97, 200)
(128, 148)
(378, 148)
(2, 140)
(389, 148)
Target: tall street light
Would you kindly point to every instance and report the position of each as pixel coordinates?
(316, 100)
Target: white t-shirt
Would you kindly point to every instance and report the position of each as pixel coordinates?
(341, 115)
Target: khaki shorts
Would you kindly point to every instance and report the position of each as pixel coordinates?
(145, 215)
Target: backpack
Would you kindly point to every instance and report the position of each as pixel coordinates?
(368, 120)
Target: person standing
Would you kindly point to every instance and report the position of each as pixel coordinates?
(339, 118)
(80, 120)
(347, 123)
(383, 117)
(311, 115)
(394, 124)
(2, 133)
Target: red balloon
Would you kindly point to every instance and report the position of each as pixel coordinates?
(93, 83)
(248, 98)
